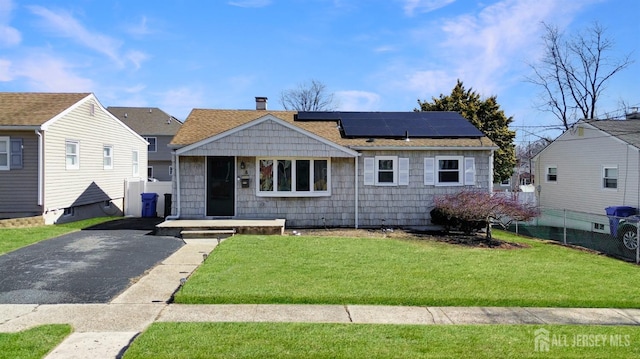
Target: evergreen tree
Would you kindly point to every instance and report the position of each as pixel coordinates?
(487, 116)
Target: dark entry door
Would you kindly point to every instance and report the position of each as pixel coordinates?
(220, 186)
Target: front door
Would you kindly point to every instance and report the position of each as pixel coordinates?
(221, 186)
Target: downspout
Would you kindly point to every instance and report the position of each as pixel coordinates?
(177, 175)
(357, 194)
(40, 168)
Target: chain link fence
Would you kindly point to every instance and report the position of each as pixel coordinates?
(613, 235)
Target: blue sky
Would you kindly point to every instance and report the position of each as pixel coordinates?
(374, 55)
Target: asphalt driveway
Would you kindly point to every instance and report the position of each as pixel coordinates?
(89, 266)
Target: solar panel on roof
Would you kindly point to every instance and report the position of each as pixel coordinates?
(430, 124)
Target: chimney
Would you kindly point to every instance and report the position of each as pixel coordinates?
(261, 103)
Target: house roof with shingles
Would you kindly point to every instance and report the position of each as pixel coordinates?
(147, 121)
(625, 130)
(204, 123)
(34, 108)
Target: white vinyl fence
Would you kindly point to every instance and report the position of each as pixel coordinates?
(133, 190)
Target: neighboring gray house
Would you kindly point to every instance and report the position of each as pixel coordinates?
(64, 157)
(593, 165)
(158, 128)
(339, 169)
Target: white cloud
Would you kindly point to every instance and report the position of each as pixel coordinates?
(5, 70)
(140, 29)
(9, 36)
(357, 100)
(65, 25)
(136, 57)
(250, 3)
(180, 101)
(47, 73)
(423, 6)
(487, 50)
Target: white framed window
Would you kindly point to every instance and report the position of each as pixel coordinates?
(5, 146)
(610, 177)
(449, 171)
(386, 171)
(152, 144)
(293, 177)
(72, 154)
(506, 183)
(69, 212)
(135, 167)
(551, 173)
(107, 157)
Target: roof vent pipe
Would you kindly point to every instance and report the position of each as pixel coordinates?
(261, 103)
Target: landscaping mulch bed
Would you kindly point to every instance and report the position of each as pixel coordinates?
(476, 241)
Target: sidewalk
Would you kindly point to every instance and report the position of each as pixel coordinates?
(105, 330)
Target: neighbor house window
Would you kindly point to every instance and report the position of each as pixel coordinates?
(4, 153)
(552, 174)
(506, 183)
(150, 172)
(170, 170)
(72, 155)
(107, 157)
(293, 177)
(152, 144)
(386, 171)
(135, 168)
(450, 171)
(610, 177)
(69, 212)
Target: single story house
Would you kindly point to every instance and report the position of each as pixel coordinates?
(334, 169)
(64, 157)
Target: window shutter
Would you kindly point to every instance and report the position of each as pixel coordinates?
(403, 171)
(16, 153)
(469, 171)
(429, 171)
(369, 171)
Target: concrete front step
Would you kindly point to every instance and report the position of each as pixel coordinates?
(207, 233)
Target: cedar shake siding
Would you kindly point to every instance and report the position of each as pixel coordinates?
(247, 138)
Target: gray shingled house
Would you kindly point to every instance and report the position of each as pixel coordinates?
(64, 157)
(334, 169)
(158, 128)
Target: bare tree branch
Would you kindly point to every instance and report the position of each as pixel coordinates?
(308, 96)
(573, 74)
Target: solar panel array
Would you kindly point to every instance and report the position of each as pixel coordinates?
(429, 124)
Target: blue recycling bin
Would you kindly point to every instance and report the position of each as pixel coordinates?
(615, 213)
(149, 203)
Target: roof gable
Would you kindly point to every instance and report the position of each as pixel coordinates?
(256, 138)
(147, 120)
(33, 109)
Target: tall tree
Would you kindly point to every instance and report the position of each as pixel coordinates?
(308, 96)
(573, 73)
(487, 116)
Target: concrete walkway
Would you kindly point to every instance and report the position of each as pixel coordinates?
(106, 330)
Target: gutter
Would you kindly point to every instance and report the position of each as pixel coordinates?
(425, 148)
(40, 167)
(177, 174)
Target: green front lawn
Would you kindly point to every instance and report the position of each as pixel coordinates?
(307, 340)
(14, 238)
(33, 343)
(326, 270)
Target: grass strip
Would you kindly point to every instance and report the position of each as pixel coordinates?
(34, 343)
(306, 340)
(14, 238)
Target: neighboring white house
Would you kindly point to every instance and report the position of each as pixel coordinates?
(339, 169)
(64, 157)
(593, 165)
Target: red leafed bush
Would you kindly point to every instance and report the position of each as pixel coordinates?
(470, 210)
